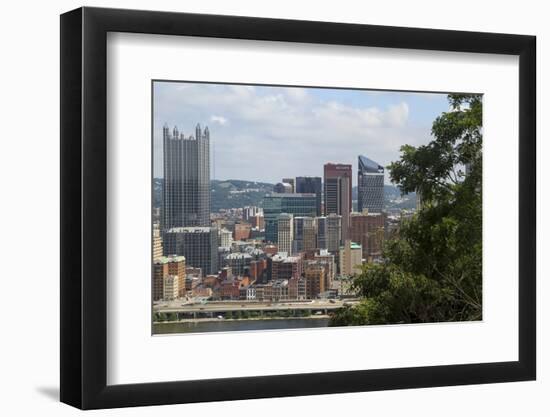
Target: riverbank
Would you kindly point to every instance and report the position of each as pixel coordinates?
(227, 325)
(214, 319)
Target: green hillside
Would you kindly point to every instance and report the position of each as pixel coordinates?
(240, 193)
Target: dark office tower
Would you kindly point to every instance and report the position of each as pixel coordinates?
(338, 193)
(304, 235)
(334, 233)
(310, 185)
(186, 192)
(321, 227)
(370, 185)
(199, 245)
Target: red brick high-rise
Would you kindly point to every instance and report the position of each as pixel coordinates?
(337, 189)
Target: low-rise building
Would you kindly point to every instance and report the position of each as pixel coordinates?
(242, 231)
(279, 290)
(351, 258)
(201, 292)
(191, 282)
(297, 288)
(258, 270)
(211, 281)
(328, 260)
(285, 267)
(259, 290)
(239, 263)
(315, 277)
(229, 290)
(164, 266)
(250, 292)
(271, 249)
(171, 288)
(247, 292)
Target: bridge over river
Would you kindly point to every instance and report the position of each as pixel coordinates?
(213, 309)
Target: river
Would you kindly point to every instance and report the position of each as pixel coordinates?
(238, 325)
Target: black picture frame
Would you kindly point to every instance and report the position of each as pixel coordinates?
(84, 207)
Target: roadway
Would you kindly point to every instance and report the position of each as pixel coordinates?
(180, 306)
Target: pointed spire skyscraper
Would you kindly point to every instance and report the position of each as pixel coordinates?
(370, 185)
(186, 192)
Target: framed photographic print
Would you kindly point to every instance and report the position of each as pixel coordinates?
(257, 207)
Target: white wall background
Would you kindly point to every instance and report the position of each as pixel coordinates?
(29, 160)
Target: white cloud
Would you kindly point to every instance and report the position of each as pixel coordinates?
(276, 132)
(298, 95)
(219, 120)
(399, 114)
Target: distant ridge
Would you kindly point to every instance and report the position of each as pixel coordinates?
(239, 193)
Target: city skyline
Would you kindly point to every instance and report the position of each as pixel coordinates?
(245, 118)
(293, 252)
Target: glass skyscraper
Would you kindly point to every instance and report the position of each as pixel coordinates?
(370, 185)
(186, 192)
(276, 204)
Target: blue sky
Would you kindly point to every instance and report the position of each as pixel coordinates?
(264, 133)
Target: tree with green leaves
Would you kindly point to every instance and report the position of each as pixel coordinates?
(432, 268)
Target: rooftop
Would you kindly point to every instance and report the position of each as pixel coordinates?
(353, 245)
(291, 195)
(167, 259)
(283, 257)
(365, 213)
(369, 165)
(238, 256)
(192, 229)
